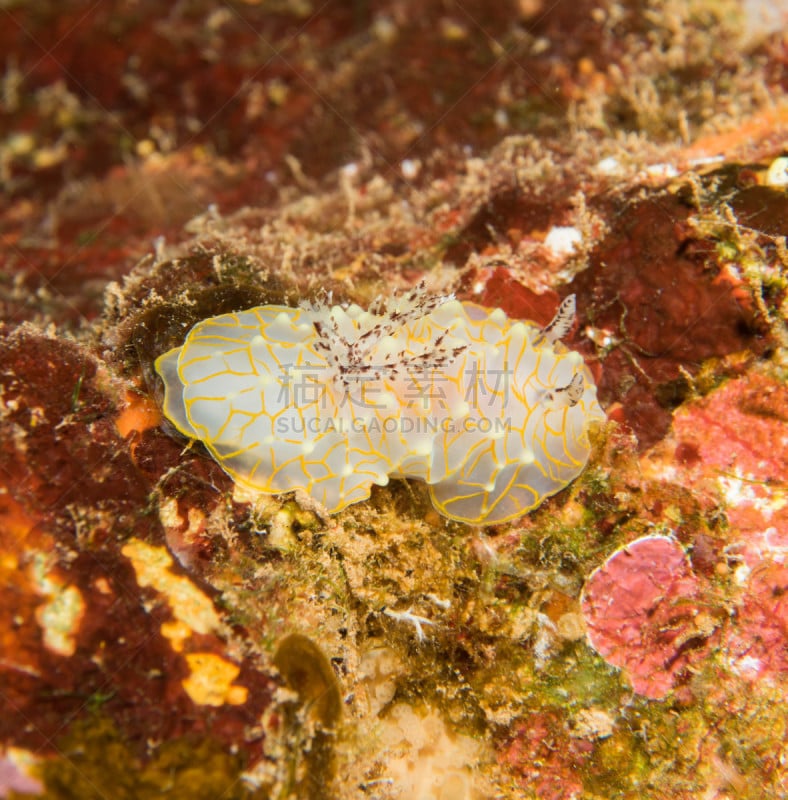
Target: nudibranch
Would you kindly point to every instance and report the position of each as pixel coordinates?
(493, 414)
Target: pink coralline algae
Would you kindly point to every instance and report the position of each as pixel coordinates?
(757, 647)
(649, 613)
(641, 608)
(13, 779)
(740, 436)
(546, 759)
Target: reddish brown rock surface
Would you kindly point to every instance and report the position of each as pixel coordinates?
(161, 165)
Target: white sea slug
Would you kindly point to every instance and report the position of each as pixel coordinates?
(492, 413)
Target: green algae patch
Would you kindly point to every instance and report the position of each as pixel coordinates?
(96, 762)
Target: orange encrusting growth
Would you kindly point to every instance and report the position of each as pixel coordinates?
(139, 414)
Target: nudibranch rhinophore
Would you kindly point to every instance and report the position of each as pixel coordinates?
(493, 414)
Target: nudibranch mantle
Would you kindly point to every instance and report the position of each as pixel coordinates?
(493, 414)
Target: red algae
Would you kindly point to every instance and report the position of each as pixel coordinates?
(656, 614)
(502, 290)
(545, 759)
(641, 608)
(757, 647)
(657, 310)
(71, 497)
